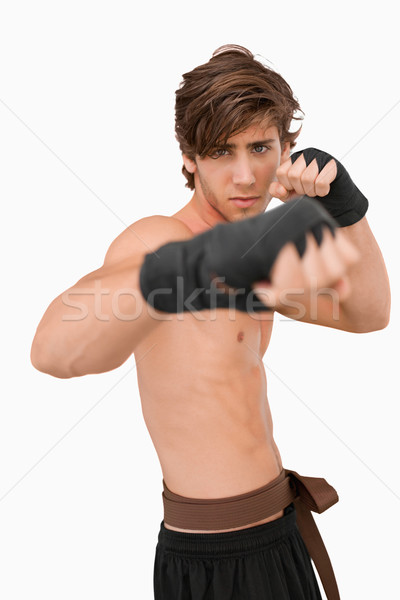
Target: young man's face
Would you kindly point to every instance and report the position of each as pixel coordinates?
(243, 168)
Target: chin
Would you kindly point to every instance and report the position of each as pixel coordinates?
(255, 210)
(244, 214)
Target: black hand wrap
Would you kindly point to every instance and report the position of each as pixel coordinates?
(182, 276)
(344, 201)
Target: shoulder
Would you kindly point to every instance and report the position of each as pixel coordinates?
(146, 235)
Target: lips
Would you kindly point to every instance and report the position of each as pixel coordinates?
(244, 201)
(244, 198)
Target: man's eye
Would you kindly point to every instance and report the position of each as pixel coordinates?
(261, 148)
(218, 152)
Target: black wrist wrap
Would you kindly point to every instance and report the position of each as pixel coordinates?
(183, 276)
(344, 202)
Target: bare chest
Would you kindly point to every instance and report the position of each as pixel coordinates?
(222, 337)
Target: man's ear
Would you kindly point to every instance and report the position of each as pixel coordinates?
(285, 154)
(189, 164)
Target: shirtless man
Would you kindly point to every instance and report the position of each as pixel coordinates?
(199, 358)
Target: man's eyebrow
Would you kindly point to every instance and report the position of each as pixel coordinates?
(250, 145)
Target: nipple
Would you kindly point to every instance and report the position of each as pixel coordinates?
(240, 336)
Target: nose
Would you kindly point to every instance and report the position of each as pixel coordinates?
(242, 172)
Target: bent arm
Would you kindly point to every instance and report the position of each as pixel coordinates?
(368, 306)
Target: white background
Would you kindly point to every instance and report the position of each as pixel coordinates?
(87, 147)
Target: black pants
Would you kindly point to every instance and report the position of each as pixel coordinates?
(266, 562)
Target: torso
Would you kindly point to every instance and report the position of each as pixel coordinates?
(204, 399)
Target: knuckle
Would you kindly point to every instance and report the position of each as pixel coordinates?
(281, 170)
(335, 270)
(311, 244)
(328, 238)
(307, 178)
(293, 171)
(322, 189)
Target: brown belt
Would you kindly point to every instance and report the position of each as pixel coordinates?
(307, 493)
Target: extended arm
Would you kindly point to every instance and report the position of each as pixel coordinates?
(95, 325)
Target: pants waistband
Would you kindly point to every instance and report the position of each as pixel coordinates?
(228, 543)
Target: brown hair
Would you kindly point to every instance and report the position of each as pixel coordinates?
(224, 96)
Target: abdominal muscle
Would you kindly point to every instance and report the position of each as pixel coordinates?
(204, 400)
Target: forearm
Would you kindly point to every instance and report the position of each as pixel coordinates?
(368, 305)
(95, 325)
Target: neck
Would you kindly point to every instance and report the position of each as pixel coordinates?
(202, 213)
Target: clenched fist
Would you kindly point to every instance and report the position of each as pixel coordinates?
(317, 174)
(294, 279)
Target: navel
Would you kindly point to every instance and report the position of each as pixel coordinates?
(240, 336)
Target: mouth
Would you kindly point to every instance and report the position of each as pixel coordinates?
(244, 201)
